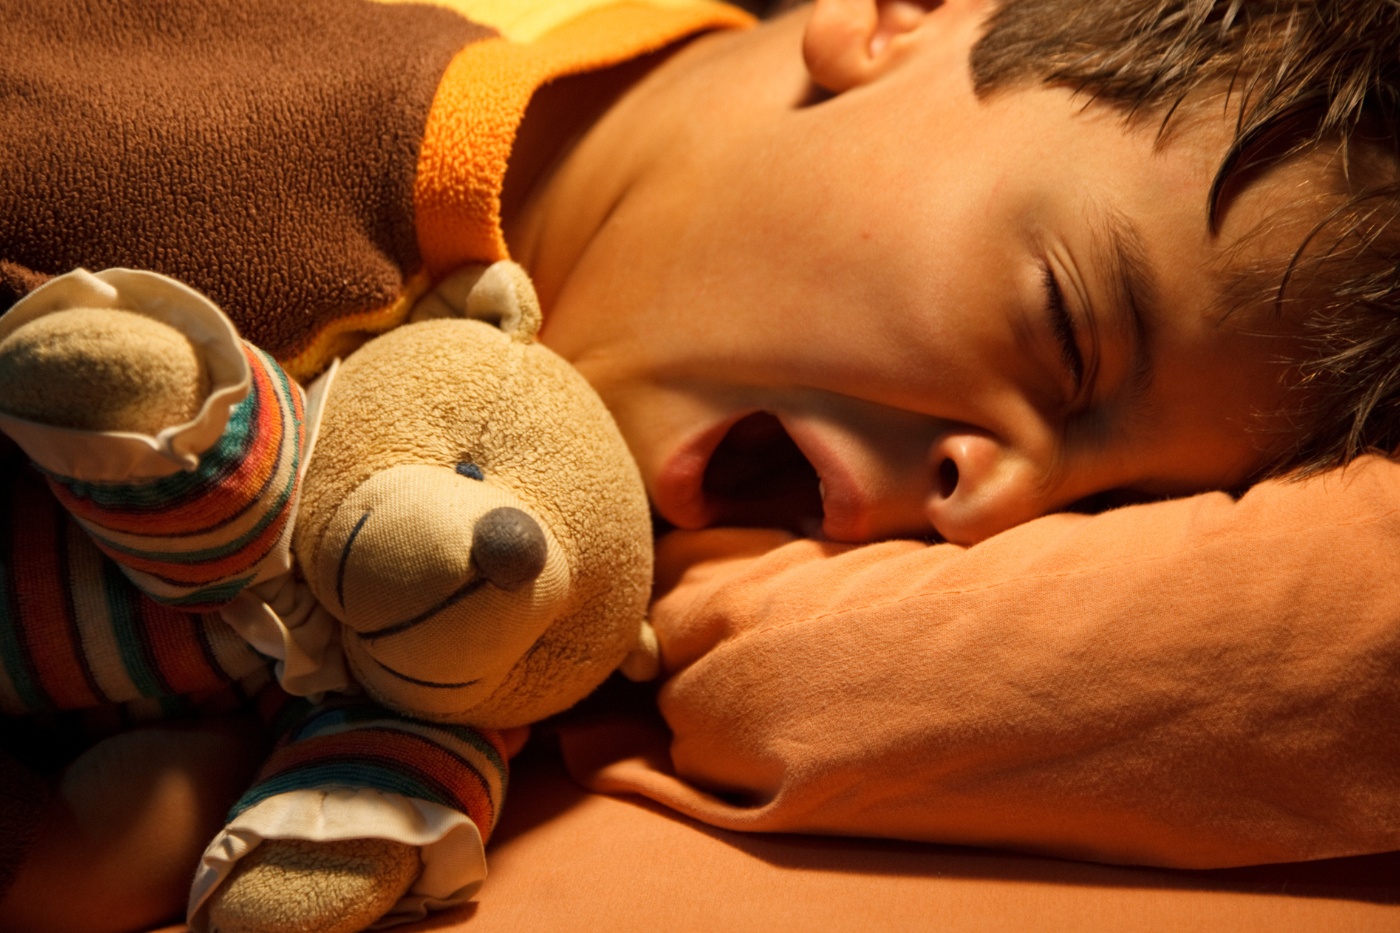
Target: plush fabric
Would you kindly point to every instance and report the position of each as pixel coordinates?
(485, 91)
(297, 163)
(168, 387)
(1197, 683)
(268, 150)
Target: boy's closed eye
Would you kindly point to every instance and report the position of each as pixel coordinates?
(1063, 326)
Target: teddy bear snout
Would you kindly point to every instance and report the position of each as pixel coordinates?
(508, 547)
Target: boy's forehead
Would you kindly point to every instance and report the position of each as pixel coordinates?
(1173, 152)
(1125, 197)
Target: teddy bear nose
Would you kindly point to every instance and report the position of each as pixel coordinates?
(508, 547)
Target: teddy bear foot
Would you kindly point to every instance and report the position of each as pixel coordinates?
(298, 886)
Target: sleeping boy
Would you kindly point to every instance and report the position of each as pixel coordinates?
(937, 278)
(1008, 261)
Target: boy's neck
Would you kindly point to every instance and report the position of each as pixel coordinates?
(559, 115)
(588, 142)
(536, 210)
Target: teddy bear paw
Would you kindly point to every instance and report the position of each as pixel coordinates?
(299, 886)
(101, 369)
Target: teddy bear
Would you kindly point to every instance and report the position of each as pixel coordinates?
(443, 537)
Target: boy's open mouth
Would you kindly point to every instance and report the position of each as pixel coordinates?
(757, 477)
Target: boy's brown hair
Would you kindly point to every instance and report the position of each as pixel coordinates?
(1300, 73)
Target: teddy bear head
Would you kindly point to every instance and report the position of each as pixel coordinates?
(475, 521)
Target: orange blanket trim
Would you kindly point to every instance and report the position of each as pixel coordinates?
(344, 336)
(482, 99)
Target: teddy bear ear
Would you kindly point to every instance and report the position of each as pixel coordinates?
(500, 294)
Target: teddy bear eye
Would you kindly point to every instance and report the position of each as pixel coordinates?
(470, 470)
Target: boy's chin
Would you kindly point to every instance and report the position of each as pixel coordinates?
(757, 478)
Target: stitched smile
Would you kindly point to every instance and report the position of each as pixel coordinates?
(345, 557)
(423, 683)
(462, 592)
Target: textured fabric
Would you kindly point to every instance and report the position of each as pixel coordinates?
(267, 150)
(351, 743)
(483, 96)
(567, 861)
(274, 156)
(75, 632)
(195, 539)
(1197, 683)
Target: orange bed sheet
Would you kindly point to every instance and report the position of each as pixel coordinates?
(568, 861)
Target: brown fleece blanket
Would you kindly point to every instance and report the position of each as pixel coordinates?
(262, 151)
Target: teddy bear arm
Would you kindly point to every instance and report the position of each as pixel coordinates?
(102, 369)
(102, 399)
(79, 634)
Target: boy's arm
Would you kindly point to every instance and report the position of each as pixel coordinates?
(1201, 682)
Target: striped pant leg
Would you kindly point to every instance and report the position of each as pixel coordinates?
(352, 743)
(76, 633)
(350, 769)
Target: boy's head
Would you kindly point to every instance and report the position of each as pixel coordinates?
(1316, 79)
(911, 267)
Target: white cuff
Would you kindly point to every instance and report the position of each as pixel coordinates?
(454, 859)
(124, 456)
(282, 620)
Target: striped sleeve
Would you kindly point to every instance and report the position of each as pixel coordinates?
(194, 540)
(76, 633)
(350, 742)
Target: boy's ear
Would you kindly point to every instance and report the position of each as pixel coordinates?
(848, 43)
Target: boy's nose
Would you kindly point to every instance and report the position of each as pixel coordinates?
(980, 487)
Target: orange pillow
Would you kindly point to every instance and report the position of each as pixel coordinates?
(1197, 683)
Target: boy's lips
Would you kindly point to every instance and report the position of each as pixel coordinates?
(680, 486)
(760, 469)
(843, 506)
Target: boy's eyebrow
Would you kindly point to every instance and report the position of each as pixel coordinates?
(1132, 284)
